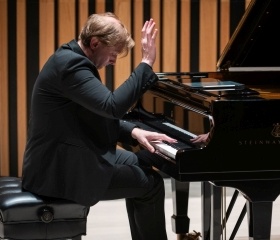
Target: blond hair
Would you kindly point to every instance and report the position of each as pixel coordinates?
(109, 30)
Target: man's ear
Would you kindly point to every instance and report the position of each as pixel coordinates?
(94, 42)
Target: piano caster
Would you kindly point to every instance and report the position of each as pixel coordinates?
(181, 236)
(189, 236)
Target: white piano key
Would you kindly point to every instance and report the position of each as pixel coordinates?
(165, 149)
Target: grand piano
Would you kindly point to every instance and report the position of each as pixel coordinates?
(239, 106)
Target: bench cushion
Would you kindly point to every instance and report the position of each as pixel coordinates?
(24, 215)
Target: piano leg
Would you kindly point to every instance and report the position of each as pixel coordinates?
(211, 211)
(260, 195)
(206, 209)
(180, 196)
(259, 216)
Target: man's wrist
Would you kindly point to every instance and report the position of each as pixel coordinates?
(148, 63)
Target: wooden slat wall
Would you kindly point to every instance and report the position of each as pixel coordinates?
(122, 69)
(21, 80)
(100, 8)
(169, 33)
(155, 13)
(184, 36)
(208, 35)
(4, 121)
(66, 21)
(46, 37)
(224, 24)
(192, 35)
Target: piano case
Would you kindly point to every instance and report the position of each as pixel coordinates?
(24, 215)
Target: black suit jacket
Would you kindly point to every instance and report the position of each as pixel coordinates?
(74, 126)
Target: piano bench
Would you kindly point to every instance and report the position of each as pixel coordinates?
(24, 215)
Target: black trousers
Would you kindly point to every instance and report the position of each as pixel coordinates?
(143, 188)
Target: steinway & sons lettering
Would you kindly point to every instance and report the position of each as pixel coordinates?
(260, 142)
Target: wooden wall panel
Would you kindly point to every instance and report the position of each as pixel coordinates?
(224, 20)
(208, 35)
(136, 34)
(21, 81)
(83, 13)
(155, 14)
(4, 121)
(169, 33)
(100, 8)
(190, 31)
(47, 36)
(66, 21)
(185, 36)
(123, 65)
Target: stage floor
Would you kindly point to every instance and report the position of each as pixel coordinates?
(108, 219)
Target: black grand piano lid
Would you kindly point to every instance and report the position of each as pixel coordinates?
(256, 39)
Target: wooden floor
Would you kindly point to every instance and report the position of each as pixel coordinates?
(108, 219)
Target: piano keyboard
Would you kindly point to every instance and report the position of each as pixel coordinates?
(172, 131)
(179, 129)
(165, 148)
(169, 149)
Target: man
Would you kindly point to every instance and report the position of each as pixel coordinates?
(75, 124)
